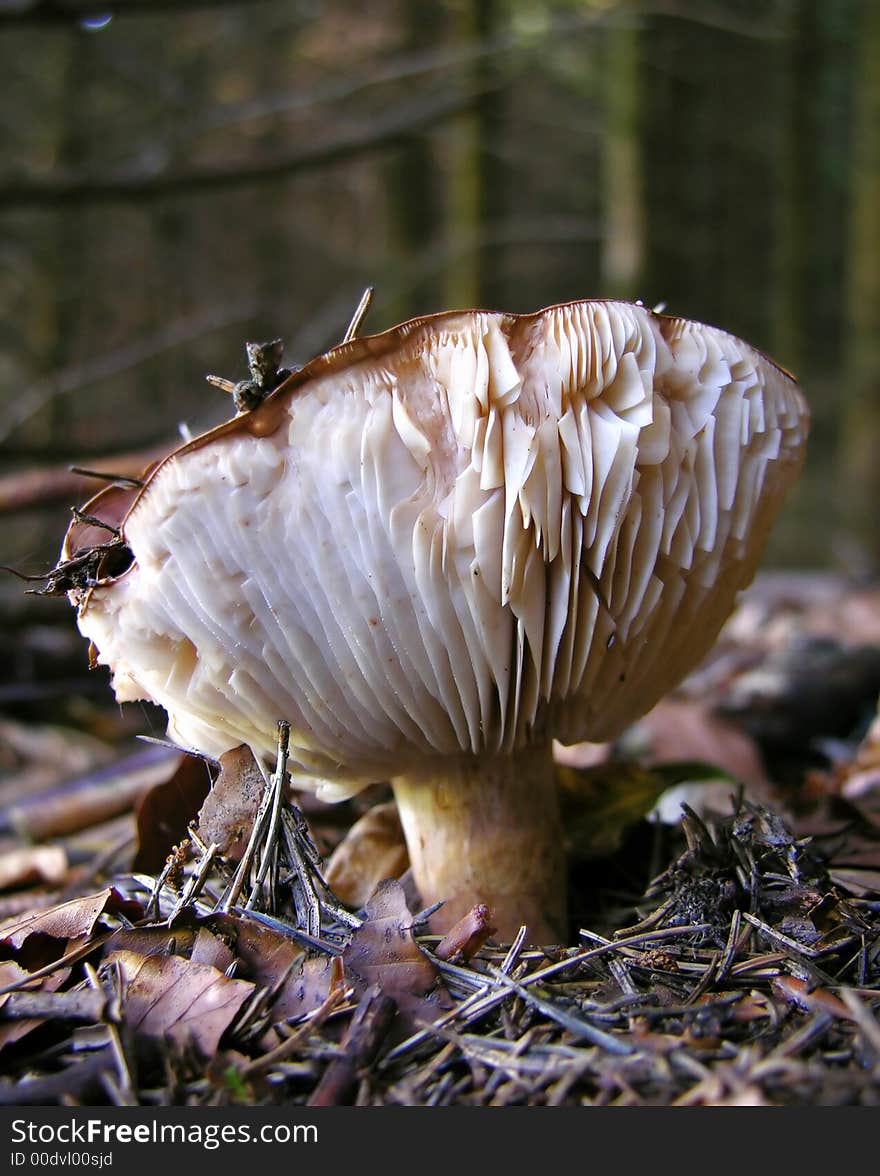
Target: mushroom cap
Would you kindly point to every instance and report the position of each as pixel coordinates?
(461, 536)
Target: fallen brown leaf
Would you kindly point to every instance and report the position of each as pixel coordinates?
(165, 811)
(383, 952)
(814, 1000)
(686, 729)
(33, 863)
(227, 814)
(39, 938)
(152, 940)
(372, 850)
(11, 973)
(171, 998)
(211, 950)
(272, 960)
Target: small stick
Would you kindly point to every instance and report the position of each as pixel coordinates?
(289, 930)
(308, 905)
(69, 1006)
(574, 1025)
(467, 936)
(732, 947)
(706, 981)
(174, 861)
(337, 994)
(120, 479)
(93, 521)
(234, 888)
(361, 1044)
(514, 950)
(111, 1015)
(270, 844)
(194, 886)
(359, 315)
(649, 921)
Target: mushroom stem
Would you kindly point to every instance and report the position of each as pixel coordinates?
(487, 830)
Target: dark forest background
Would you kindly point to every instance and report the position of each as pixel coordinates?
(179, 177)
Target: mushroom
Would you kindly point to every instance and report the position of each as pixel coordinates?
(434, 550)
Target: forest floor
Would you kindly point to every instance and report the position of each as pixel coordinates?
(160, 947)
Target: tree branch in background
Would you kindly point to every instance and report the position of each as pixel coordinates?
(46, 485)
(25, 12)
(71, 379)
(142, 186)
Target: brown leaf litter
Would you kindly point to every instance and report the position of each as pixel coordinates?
(748, 977)
(226, 966)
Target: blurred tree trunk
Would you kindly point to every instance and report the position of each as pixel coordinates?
(797, 185)
(489, 115)
(709, 133)
(623, 229)
(476, 204)
(814, 152)
(57, 337)
(274, 260)
(413, 183)
(861, 438)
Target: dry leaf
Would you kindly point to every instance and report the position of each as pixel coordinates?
(165, 812)
(383, 952)
(227, 814)
(305, 988)
(372, 850)
(209, 949)
(152, 940)
(39, 938)
(34, 863)
(269, 957)
(815, 1000)
(684, 729)
(266, 953)
(171, 998)
(11, 973)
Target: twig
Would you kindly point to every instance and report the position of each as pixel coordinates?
(65, 961)
(269, 848)
(289, 930)
(99, 475)
(65, 1006)
(233, 890)
(361, 311)
(173, 862)
(111, 1017)
(195, 884)
(574, 1025)
(366, 1033)
(337, 994)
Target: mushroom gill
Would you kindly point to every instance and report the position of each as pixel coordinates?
(434, 550)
